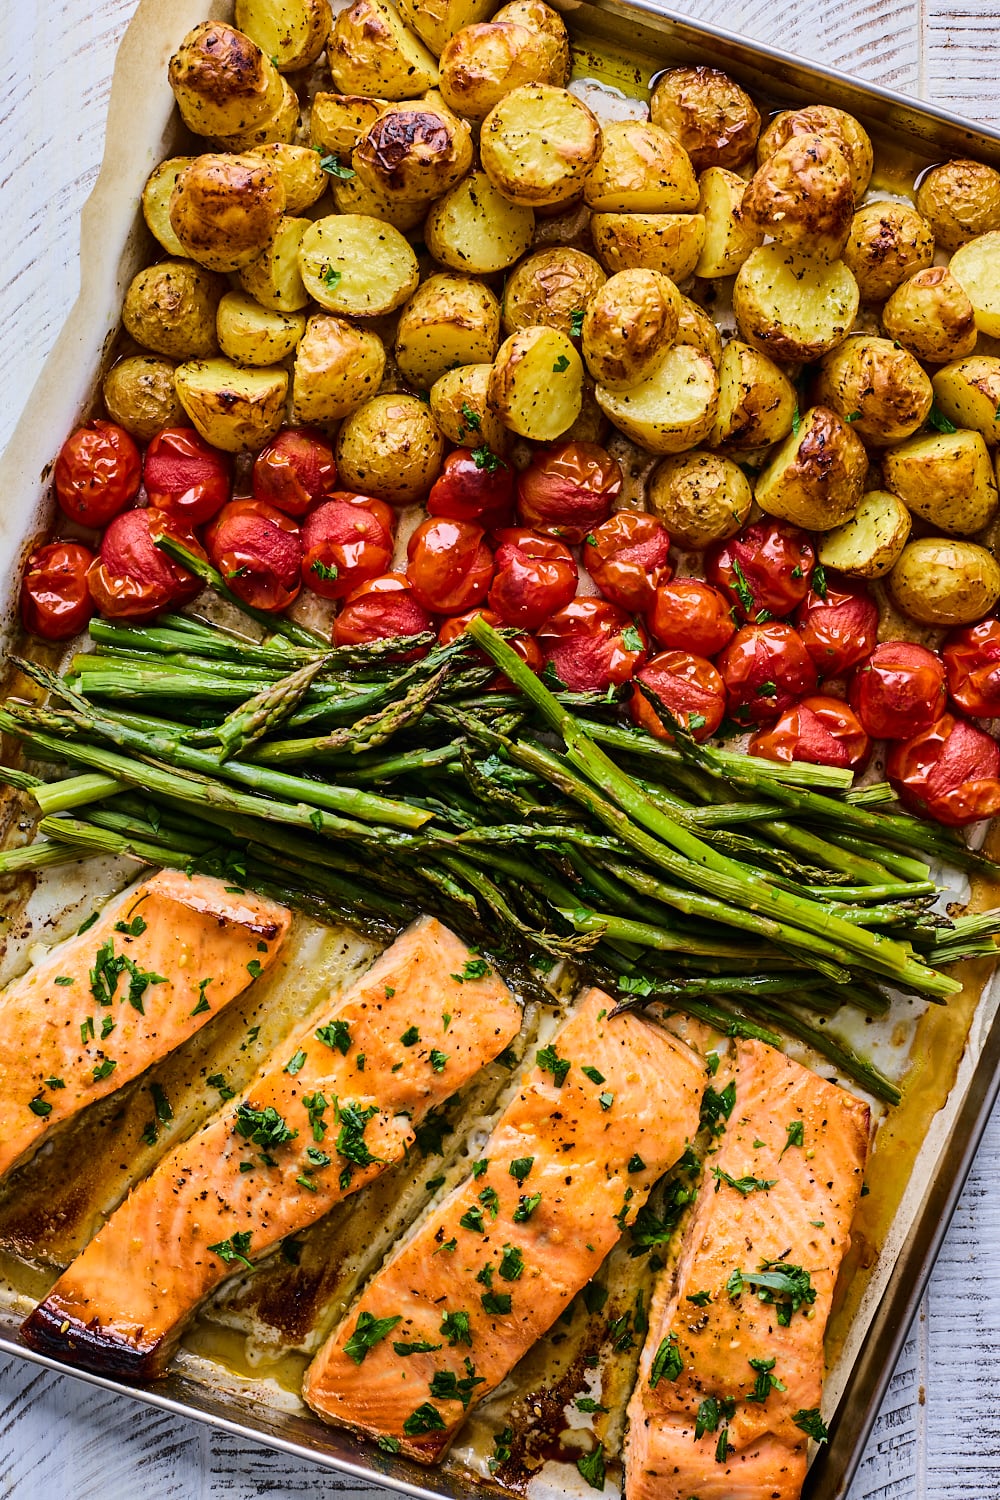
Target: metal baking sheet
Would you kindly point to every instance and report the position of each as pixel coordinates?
(141, 131)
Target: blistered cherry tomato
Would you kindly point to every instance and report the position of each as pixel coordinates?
(689, 688)
(525, 645)
(627, 556)
(899, 690)
(55, 600)
(764, 570)
(473, 489)
(449, 565)
(258, 551)
(688, 615)
(949, 771)
(823, 731)
(766, 669)
(381, 608)
(97, 473)
(535, 575)
(132, 579)
(591, 645)
(186, 476)
(839, 625)
(568, 490)
(294, 470)
(346, 540)
(972, 665)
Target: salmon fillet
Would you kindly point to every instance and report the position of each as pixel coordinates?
(326, 1114)
(607, 1107)
(724, 1373)
(160, 961)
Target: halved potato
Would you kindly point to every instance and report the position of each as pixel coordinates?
(888, 242)
(538, 145)
(941, 582)
(700, 497)
(728, 238)
(170, 308)
(802, 197)
(279, 124)
(868, 545)
(450, 320)
(968, 393)
(225, 209)
(139, 395)
(475, 228)
(253, 335)
(668, 243)
(816, 477)
(551, 288)
(415, 151)
(930, 315)
(629, 325)
(875, 386)
(642, 170)
(301, 172)
(357, 265)
(156, 197)
(292, 33)
(390, 447)
(674, 408)
(435, 21)
(694, 326)
(976, 268)
(460, 407)
(715, 121)
(274, 278)
(835, 125)
(337, 368)
(945, 477)
(371, 51)
(353, 195)
(222, 81)
(338, 121)
(234, 409)
(960, 199)
(549, 25)
(792, 308)
(481, 64)
(757, 401)
(536, 385)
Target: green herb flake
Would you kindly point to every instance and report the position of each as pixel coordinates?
(218, 1081)
(588, 1404)
(255, 968)
(104, 1069)
(203, 1004)
(511, 1263)
(87, 1030)
(333, 167)
(472, 418)
(426, 1418)
(417, 1346)
(473, 1219)
(743, 1185)
(87, 923)
(717, 1107)
(328, 572)
(576, 318)
(526, 1206)
(484, 458)
(520, 1167)
(548, 1059)
(501, 1449)
(107, 1027)
(561, 364)
(809, 1421)
(350, 1142)
(475, 968)
(480, 1166)
(388, 1444)
(336, 1035)
(591, 1467)
(796, 421)
(818, 580)
(497, 1303)
(594, 1297)
(699, 1299)
(40, 1107)
(389, 991)
(332, 278)
(135, 928)
(667, 1362)
(438, 1060)
(795, 1136)
(938, 422)
(592, 1073)
(63, 979)
(605, 1100)
(236, 1248)
(296, 1063)
(455, 1327)
(631, 639)
(368, 1331)
(264, 1127)
(410, 1037)
(447, 1386)
(742, 589)
(788, 1287)
(161, 1104)
(766, 1380)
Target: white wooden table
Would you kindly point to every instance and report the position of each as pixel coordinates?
(938, 1436)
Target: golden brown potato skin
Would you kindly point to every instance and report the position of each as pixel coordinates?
(835, 125)
(668, 243)
(888, 242)
(549, 25)
(868, 545)
(816, 477)
(694, 326)
(392, 448)
(482, 63)
(757, 401)
(170, 308)
(370, 51)
(629, 325)
(337, 368)
(968, 393)
(715, 121)
(700, 497)
(449, 320)
(802, 197)
(222, 81)
(536, 383)
(960, 199)
(235, 409)
(880, 389)
(414, 152)
(225, 209)
(942, 582)
(300, 171)
(947, 478)
(139, 395)
(930, 315)
(460, 407)
(538, 145)
(642, 170)
(548, 287)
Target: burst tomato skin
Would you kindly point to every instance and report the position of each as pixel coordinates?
(97, 473)
(469, 491)
(899, 690)
(839, 626)
(949, 771)
(185, 476)
(592, 645)
(346, 540)
(821, 730)
(764, 570)
(627, 556)
(382, 607)
(568, 490)
(131, 578)
(258, 551)
(535, 576)
(766, 669)
(972, 666)
(294, 470)
(55, 600)
(525, 645)
(449, 565)
(688, 615)
(688, 686)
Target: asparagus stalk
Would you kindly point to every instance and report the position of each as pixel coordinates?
(203, 569)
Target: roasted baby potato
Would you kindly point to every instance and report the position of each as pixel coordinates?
(549, 25)
(833, 124)
(729, 239)
(960, 199)
(357, 266)
(299, 167)
(156, 197)
(930, 315)
(536, 384)
(816, 477)
(170, 308)
(292, 33)
(629, 325)
(792, 308)
(450, 320)
(941, 582)
(694, 326)
(279, 124)
(551, 288)
(757, 402)
(139, 395)
(338, 121)
(435, 21)
(390, 447)
(460, 407)
(802, 197)
(337, 368)
(700, 497)
(414, 152)
(538, 145)
(642, 170)
(253, 335)
(273, 278)
(481, 64)
(668, 243)
(674, 408)
(875, 386)
(225, 209)
(868, 545)
(474, 228)
(234, 409)
(968, 393)
(352, 195)
(945, 477)
(222, 81)
(976, 267)
(888, 242)
(370, 51)
(709, 114)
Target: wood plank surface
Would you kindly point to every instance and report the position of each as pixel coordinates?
(938, 1435)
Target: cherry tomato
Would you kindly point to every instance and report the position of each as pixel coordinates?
(949, 771)
(690, 689)
(688, 615)
(764, 570)
(627, 557)
(186, 476)
(467, 489)
(591, 644)
(381, 608)
(899, 690)
(97, 473)
(823, 731)
(525, 645)
(535, 575)
(839, 625)
(972, 664)
(568, 490)
(258, 551)
(132, 579)
(294, 470)
(346, 540)
(766, 669)
(449, 565)
(55, 599)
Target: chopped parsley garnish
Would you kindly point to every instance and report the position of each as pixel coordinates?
(235, 1248)
(631, 639)
(722, 1446)
(328, 572)
(787, 1287)
(588, 1404)
(700, 1299)
(107, 1027)
(796, 424)
(296, 1063)
(104, 1069)
(40, 1107)
(937, 420)
(809, 1421)
(63, 979)
(742, 589)
(592, 1073)
(717, 1107)
(576, 318)
(480, 1166)
(501, 1449)
(87, 923)
(410, 1037)
(520, 1167)
(315, 1106)
(389, 991)
(317, 1157)
(818, 580)
(218, 1081)
(767, 690)
(55, 1083)
(445, 1019)
(438, 1060)
(475, 968)
(490, 1201)
(485, 458)
(203, 1004)
(636, 1163)
(303, 1181)
(497, 1303)
(591, 1466)
(485, 1274)
(332, 278)
(795, 1136)
(333, 166)
(135, 928)
(853, 416)
(511, 1263)
(87, 1030)
(743, 1185)
(667, 1362)
(472, 417)
(388, 1444)
(426, 1418)
(766, 1382)
(430, 1133)
(368, 1332)
(447, 1386)
(417, 1346)
(549, 1061)
(561, 364)
(161, 1104)
(526, 1206)
(350, 1142)
(336, 1036)
(605, 1100)
(455, 1327)
(473, 1219)
(594, 1297)
(255, 968)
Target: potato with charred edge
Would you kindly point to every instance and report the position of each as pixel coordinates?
(435, 21)
(450, 320)
(234, 409)
(253, 335)
(876, 387)
(674, 408)
(460, 406)
(968, 394)
(156, 197)
(930, 315)
(222, 81)
(292, 33)
(414, 152)
(536, 384)
(757, 401)
(392, 448)
(170, 308)
(834, 125)
(694, 326)
(945, 583)
(337, 368)
(960, 199)
(793, 308)
(668, 243)
(629, 325)
(301, 172)
(700, 497)
(139, 395)
(704, 109)
(225, 209)
(371, 51)
(273, 277)
(816, 477)
(546, 23)
(481, 64)
(945, 477)
(976, 268)
(868, 545)
(474, 228)
(642, 170)
(729, 239)
(357, 266)
(354, 196)
(802, 197)
(552, 289)
(538, 145)
(338, 121)
(888, 242)
(279, 124)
